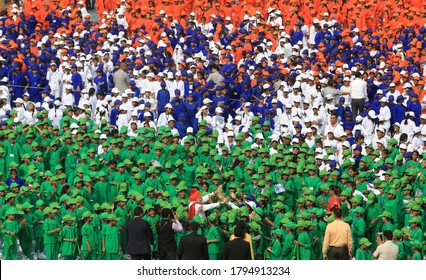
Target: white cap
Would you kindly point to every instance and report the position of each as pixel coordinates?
(218, 110)
(207, 100)
(383, 99)
(260, 136)
(423, 116)
(168, 105)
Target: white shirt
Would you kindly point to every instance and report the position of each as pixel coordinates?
(358, 89)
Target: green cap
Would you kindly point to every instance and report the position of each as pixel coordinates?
(365, 241)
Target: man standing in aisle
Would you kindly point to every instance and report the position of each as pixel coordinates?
(358, 93)
(337, 239)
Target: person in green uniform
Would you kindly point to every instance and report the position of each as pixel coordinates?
(10, 231)
(416, 231)
(214, 238)
(26, 234)
(111, 246)
(288, 243)
(362, 253)
(68, 238)
(303, 241)
(51, 229)
(396, 239)
(417, 249)
(88, 243)
(122, 215)
(276, 249)
(358, 226)
(38, 230)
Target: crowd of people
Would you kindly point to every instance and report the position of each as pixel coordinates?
(297, 127)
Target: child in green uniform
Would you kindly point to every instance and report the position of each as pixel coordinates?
(69, 238)
(10, 231)
(121, 214)
(275, 250)
(362, 252)
(38, 229)
(26, 234)
(111, 238)
(51, 229)
(288, 243)
(88, 243)
(214, 238)
(358, 226)
(303, 241)
(397, 235)
(417, 248)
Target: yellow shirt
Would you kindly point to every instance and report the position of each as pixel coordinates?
(337, 234)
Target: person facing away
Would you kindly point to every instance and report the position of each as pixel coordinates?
(237, 249)
(193, 246)
(338, 239)
(139, 237)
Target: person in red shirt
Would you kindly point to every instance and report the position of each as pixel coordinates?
(334, 201)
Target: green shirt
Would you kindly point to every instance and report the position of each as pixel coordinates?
(48, 226)
(88, 235)
(110, 236)
(68, 247)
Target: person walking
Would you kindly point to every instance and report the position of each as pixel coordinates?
(139, 237)
(193, 246)
(338, 239)
(386, 250)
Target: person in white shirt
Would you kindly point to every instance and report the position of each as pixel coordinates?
(55, 80)
(244, 112)
(358, 93)
(386, 250)
(385, 113)
(164, 118)
(334, 127)
(408, 125)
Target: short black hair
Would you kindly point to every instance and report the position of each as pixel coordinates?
(193, 226)
(137, 211)
(388, 234)
(238, 232)
(337, 212)
(166, 213)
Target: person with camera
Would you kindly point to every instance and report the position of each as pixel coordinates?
(166, 229)
(387, 250)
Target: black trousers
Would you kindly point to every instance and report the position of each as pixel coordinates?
(141, 256)
(357, 106)
(338, 253)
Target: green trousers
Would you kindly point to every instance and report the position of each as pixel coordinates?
(39, 246)
(52, 251)
(111, 256)
(10, 247)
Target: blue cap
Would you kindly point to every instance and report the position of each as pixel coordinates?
(147, 104)
(177, 91)
(358, 147)
(298, 125)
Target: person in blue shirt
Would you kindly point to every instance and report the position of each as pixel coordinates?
(77, 83)
(100, 81)
(163, 97)
(115, 112)
(35, 83)
(181, 125)
(191, 111)
(134, 88)
(399, 110)
(177, 104)
(414, 105)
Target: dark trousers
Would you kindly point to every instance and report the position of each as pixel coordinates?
(170, 255)
(338, 253)
(357, 106)
(141, 256)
